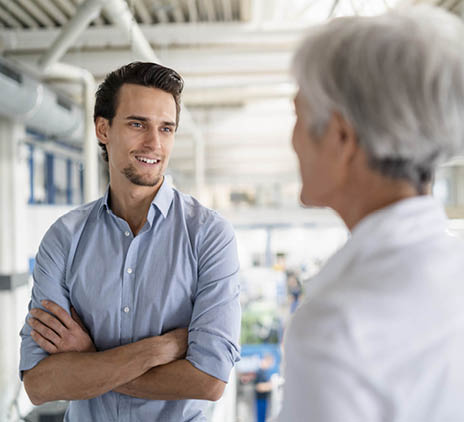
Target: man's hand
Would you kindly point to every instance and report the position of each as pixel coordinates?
(173, 345)
(58, 332)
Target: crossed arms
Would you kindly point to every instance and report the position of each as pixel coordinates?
(152, 368)
(59, 360)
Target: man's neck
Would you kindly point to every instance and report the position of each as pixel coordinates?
(369, 195)
(132, 203)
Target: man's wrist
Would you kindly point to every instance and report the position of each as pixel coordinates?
(151, 347)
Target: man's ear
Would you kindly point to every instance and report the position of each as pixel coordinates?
(346, 136)
(101, 129)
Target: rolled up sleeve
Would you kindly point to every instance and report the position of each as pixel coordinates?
(215, 326)
(48, 283)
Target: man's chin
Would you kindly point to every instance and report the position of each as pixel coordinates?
(145, 182)
(140, 180)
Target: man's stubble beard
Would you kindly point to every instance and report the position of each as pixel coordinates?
(131, 173)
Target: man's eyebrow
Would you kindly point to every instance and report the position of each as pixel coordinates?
(146, 119)
(141, 118)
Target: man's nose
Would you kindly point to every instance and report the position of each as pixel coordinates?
(153, 138)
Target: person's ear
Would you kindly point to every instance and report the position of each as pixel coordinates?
(101, 129)
(346, 137)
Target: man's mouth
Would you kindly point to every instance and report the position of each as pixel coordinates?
(147, 160)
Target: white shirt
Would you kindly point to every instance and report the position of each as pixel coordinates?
(381, 336)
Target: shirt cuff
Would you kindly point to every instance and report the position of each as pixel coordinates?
(212, 354)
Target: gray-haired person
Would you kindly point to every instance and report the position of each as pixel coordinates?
(381, 335)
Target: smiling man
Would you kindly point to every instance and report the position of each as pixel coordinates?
(134, 313)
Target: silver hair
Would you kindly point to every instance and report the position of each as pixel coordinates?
(397, 78)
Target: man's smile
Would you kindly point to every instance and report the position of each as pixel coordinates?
(147, 160)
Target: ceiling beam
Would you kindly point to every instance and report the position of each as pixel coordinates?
(37, 13)
(66, 6)
(210, 10)
(160, 11)
(142, 11)
(227, 10)
(167, 35)
(238, 94)
(246, 10)
(19, 13)
(9, 20)
(53, 11)
(177, 11)
(192, 10)
(207, 63)
(98, 21)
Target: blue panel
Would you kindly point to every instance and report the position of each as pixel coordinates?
(31, 264)
(49, 178)
(69, 186)
(81, 180)
(31, 174)
(260, 350)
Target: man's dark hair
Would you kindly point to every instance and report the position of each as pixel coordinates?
(139, 73)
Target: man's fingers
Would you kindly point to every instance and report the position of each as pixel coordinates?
(75, 317)
(43, 343)
(49, 320)
(59, 312)
(44, 331)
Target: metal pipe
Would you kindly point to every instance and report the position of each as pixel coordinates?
(86, 12)
(119, 14)
(66, 71)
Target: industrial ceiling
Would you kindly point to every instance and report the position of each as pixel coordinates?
(234, 55)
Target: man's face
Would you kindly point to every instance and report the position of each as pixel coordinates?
(141, 136)
(318, 159)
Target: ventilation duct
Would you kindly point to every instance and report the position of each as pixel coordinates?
(40, 108)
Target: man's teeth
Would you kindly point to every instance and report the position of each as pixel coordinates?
(147, 160)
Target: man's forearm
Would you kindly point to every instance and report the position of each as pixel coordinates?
(79, 376)
(175, 381)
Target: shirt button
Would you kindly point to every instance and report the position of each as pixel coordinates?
(126, 309)
(126, 234)
(129, 270)
(107, 211)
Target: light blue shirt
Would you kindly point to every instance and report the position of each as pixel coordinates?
(181, 270)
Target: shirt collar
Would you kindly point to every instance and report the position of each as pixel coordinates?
(104, 206)
(407, 214)
(405, 222)
(162, 200)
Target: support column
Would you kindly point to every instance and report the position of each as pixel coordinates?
(14, 190)
(459, 186)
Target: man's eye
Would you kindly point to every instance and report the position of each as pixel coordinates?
(136, 124)
(167, 129)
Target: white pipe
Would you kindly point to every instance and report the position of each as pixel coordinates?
(119, 14)
(85, 14)
(66, 71)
